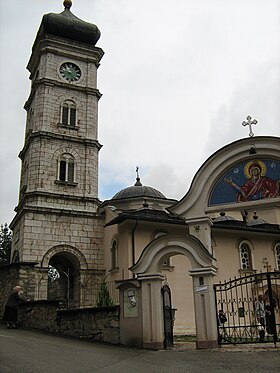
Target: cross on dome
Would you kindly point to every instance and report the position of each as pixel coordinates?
(249, 123)
(138, 182)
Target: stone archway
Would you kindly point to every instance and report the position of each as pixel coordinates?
(64, 265)
(148, 271)
(77, 256)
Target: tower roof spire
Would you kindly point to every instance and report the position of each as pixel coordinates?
(138, 182)
(67, 4)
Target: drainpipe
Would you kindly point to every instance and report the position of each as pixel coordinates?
(133, 243)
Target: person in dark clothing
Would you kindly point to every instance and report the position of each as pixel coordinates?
(11, 307)
(269, 319)
(222, 319)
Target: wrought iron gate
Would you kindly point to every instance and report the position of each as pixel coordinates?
(168, 316)
(237, 300)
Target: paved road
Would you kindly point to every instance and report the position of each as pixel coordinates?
(25, 351)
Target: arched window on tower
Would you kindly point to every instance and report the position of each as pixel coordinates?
(69, 114)
(277, 256)
(245, 252)
(66, 168)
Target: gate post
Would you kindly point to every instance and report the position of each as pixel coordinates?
(130, 312)
(272, 308)
(152, 310)
(205, 307)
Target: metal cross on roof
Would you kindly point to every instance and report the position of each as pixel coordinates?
(249, 123)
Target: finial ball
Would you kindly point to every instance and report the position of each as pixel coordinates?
(67, 4)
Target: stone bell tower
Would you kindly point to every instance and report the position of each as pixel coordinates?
(56, 216)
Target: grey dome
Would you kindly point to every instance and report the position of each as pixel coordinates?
(138, 190)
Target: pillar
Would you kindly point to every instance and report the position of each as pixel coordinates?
(152, 310)
(130, 312)
(205, 307)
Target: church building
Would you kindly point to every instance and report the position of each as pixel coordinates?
(226, 225)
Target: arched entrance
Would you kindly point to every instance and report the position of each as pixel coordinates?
(61, 279)
(64, 270)
(148, 271)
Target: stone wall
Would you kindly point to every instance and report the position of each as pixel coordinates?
(96, 324)
(16, 274)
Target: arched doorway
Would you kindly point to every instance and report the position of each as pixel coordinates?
(62, 277)
(64, 265)
(180, 282)
(148, 270)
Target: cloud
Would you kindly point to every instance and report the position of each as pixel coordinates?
(177, 78)
(257, 96)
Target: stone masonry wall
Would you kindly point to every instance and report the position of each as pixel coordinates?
(16, 274)
(95, 324)
(41, 232)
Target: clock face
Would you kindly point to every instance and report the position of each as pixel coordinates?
(70, 72)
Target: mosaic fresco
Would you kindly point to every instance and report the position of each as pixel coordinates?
(248, 181)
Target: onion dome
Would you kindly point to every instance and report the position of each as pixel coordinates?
(68, 26)
(138, 190)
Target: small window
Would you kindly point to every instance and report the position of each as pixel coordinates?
(245, 256)
(69, 114)
(66, 169)
(167, 263)
(114, 254)
(277, 256)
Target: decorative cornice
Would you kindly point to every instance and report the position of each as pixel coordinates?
(150, 277)
(63, 47)
(203, 271)
(40, 193)
(265, 229)
(21, 208)
(60, 84)
(56, 136)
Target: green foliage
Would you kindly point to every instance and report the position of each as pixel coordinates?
(5, 244)
(104, 299)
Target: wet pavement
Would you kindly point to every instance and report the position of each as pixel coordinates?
(26, 351)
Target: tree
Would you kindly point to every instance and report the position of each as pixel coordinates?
(104, 299)
(5, 244)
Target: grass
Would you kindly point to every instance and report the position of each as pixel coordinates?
(184, 338)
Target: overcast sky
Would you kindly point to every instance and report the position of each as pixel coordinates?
(178, 78)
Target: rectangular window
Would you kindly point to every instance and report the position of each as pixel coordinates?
(65, 116)
(70, 176)
(114, 255)
(62, 171)
(72, 117)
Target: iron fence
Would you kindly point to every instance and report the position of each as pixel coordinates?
(237, 300)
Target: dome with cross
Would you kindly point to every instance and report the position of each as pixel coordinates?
(138, 190)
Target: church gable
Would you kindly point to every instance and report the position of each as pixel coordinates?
(244, 172)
